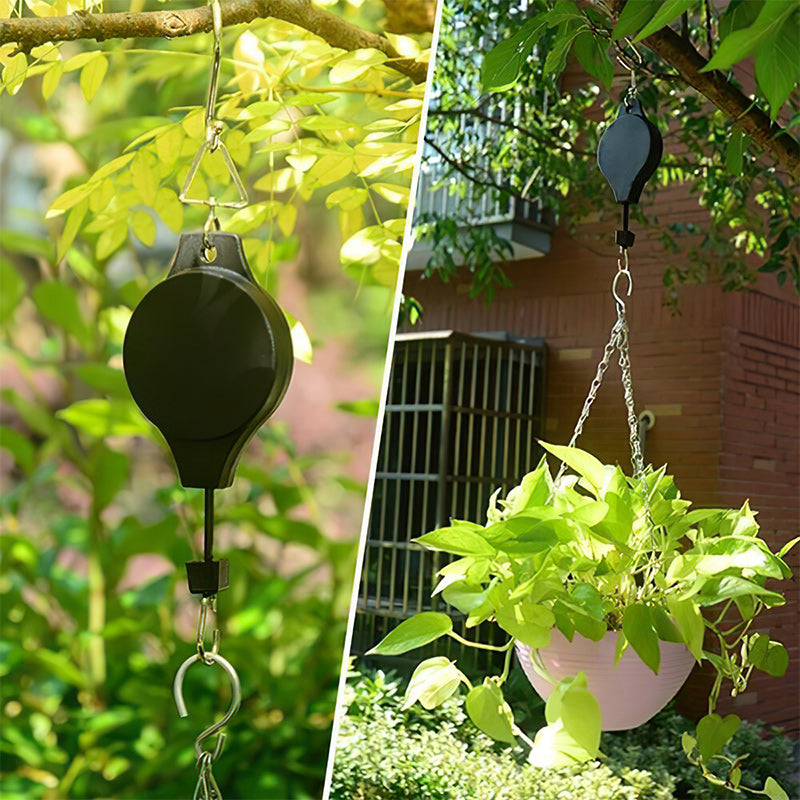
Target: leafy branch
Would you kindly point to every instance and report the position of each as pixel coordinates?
(678, 52)
(30, 32)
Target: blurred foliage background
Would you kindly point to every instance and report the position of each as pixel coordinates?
(95, 144)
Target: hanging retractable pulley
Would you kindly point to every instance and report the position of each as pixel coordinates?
(628, 154)
(208, 358)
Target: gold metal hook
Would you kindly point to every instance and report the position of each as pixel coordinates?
(213, 126)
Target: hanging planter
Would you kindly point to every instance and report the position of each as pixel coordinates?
(628, 692)
(614, 585)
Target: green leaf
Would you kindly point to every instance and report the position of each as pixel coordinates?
(144, 228)
(740, 43)
(109, 475)
(714, 732)
(578, 710)
(664, 626)
(773, 790)
(502, 65)
(111, 239)
(739, 14)
(60, 666)
(592, 54)
(103, 378)
(457, 540)
(585, 464)
(12, 290)
(554, 748)
(637, 625)
(19, 242)
(688, 743)
(92, 75)
(144, 177)
(59, 303)
(106, 418)
(556, 59)
(734, 152)
(19, 446)
(324, 122)
(668, 11)
(432, 682)
(51, 78)
(71, 227)
(354, 64)
(689, 622)
(169, 208)
(778, 64)
(633, 17)
(301, 342)
(527, 621)
(14, 72)
(489, 711)
(589, 600)
(590, 514)
(573, 733)
(415, 632)
(463, 596)
(347, 198)
(776, 660)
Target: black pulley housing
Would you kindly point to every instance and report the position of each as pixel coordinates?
(208, 358)
(629, 151)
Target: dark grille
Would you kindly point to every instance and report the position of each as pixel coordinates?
(462, 415)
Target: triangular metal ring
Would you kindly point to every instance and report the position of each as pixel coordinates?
(232, 171)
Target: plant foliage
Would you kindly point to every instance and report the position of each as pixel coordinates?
(592, 552)
(97, 616)
(503, 124)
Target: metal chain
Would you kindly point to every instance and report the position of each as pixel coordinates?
(637, 457)
(618, 341)
(207, 787)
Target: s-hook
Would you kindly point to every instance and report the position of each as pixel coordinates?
(207, 788)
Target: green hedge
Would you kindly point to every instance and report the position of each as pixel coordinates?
(388, 754)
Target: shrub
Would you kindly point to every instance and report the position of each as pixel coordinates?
(387, 753)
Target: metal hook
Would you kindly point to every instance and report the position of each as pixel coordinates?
(627, 274)
(212, 140)
(213, 81)
(236, 700)
(207, 602)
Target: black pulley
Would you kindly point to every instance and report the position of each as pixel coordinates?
(629, 151)
(208, 358)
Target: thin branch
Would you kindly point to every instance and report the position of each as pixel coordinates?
(478, 114)
(459, 167)
(29, 32)
(681, 54)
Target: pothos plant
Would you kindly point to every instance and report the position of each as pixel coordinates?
(593, 552)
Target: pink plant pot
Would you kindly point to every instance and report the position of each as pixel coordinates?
(629, 693)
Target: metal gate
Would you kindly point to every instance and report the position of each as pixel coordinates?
(462, 416)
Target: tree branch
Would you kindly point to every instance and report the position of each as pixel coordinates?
(680, 54)
(29, 32)
(538, 136)
(458, 166)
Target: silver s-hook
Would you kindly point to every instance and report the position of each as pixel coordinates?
(236, 699)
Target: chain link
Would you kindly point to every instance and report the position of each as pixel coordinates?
(618, 341)
(207, 787)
